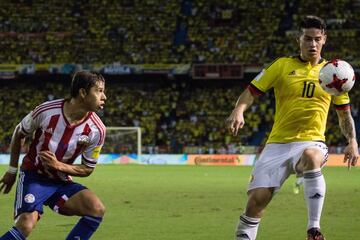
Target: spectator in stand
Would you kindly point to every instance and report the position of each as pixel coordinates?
(144, 31)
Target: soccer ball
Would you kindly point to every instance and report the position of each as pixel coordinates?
(337, 77)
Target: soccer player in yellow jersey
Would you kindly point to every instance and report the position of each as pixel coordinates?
(296, 143)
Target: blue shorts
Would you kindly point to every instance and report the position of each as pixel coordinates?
(34, 190)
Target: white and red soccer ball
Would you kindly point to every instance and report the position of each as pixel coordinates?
(337, 77)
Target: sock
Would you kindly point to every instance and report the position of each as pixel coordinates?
(314, 189)
(13, 234)
(299, 181)
(85, 228)
(247, 228)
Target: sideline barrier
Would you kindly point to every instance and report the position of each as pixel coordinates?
(184, 159)
(336, 160)
(222, 159)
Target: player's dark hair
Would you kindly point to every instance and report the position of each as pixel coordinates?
(311, 21)
(85, 80)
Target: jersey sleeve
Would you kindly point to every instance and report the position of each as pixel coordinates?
(29, 123)
(266, 79)
(341, 102)
(92, 153)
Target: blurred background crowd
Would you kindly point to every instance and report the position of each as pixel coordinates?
(163, 31)
(176, 116)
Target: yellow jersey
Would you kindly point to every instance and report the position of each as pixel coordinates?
(302, 106)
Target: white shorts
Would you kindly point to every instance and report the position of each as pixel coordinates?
(278, 160)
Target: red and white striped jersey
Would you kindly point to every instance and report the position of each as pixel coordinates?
(54, 133)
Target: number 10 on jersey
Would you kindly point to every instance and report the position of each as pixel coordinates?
(308, 89)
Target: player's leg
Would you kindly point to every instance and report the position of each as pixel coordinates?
(310, 165)
(249, 221)
(24, 225)
(86, 204)
(13, 234)
(26, 222)
(31, 192)
(269, 173)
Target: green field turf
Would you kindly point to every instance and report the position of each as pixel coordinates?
(198, 202)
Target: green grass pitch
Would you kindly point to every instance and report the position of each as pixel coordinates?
(197, 203)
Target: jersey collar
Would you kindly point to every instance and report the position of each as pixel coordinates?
(302, 60)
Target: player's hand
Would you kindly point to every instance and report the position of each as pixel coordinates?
(48, 160)
(235, 121)
(7, 182)
(351, 153)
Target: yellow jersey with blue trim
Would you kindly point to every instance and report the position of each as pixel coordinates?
(302, 106)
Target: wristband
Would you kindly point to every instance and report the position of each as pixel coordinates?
(12, 170)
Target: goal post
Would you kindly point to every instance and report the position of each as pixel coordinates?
(123, 140)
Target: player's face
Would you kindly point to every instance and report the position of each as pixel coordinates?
(311, 42)
(96, 97)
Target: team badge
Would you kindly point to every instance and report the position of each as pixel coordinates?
(83, 140)
(29, 198)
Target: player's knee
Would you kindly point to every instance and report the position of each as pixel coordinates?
(25, 224)
(257, 202)
(97, 209)
(312, 159)
(255, 208)
(100, 209)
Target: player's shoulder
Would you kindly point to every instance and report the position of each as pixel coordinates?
(286, 62)
(51, 104)
(323, 62)
(296, 59)
(97, 123)
(280, 61)
(98, 126)
(48, 106)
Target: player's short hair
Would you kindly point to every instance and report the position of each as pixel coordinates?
(85, 80)
(311, 21)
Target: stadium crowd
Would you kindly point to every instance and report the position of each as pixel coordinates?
(138, 32)
(176, 117)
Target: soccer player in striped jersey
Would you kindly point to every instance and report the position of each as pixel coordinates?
(62, 130)
(296, 142)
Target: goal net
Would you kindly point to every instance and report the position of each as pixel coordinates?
(123, 140)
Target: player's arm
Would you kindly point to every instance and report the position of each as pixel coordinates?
(265, 80)
(9, 177)
(49, 161)
(347, 127)
(236, 118)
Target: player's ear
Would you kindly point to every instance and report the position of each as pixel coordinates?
(298, 36)
(82, 92)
